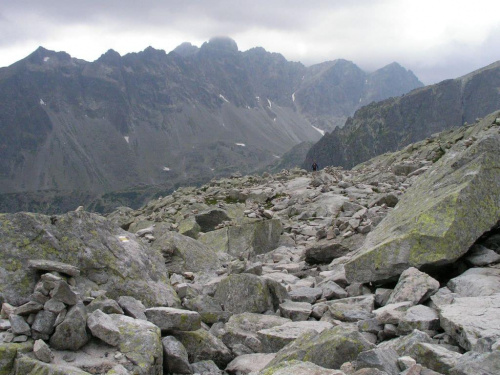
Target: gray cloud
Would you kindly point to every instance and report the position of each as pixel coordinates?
(436, 40)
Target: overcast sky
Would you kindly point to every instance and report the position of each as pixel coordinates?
(436, 39)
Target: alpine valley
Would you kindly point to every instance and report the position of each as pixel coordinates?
(125, 128)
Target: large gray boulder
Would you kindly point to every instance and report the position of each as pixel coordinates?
(472, 320)
(414, 286)
(184, 253)
(476, 282)
(71, 334)
(244, 293)
(441, 215)
(168, 318)
(473, 363)
(330, 348)
(107, 257)
(175, 357)
(245, 240)
(294, 367)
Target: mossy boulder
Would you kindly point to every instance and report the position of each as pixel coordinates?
(446, 210)
(244, 293)
(89, 242)
(28, 366)
(330, 348)
(8, 353)
(295, 367)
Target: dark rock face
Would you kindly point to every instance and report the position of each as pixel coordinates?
(394, 123)
(153, 118)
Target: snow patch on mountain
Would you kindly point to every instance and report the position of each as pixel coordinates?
(322, 132)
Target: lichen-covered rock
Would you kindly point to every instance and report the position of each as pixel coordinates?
(244, 293)
(419, 317)
(168, 318)
(441, 215)
(103, 327)
(275, 338)
(246, 240)
(208, 220)
(8, 353)
(381, 359)
(435, 357)
(29, 366)
(414, 286)
(175, 356)
(473, 363)
(140, 342)
(294, 367)
(296, 311)
(183, 254)
(330, 348)
(89, 242)
(71, 334)
(248, 363)
(202, 345)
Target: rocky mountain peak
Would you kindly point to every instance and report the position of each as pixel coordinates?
(111, 57)
(221, 44)
(186, 49)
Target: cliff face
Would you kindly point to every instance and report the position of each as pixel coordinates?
(394, 123)
(155, 118)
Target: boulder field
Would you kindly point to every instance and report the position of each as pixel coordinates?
(391, 268)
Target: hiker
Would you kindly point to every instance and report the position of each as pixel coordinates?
(315, 166)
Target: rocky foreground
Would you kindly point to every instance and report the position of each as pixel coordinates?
(390, 268)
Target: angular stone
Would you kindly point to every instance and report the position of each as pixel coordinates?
(305, 294)
(42, 351)
(434, 223)
(476, 282)
(62, 292)
(435, 357)
(19, 325)
(209, 309)
(419, 317)
(480, 256)
(168, 318)
(50, 266)
(54, 306)
(470, 319)
(28, 308)
(296, 311)
(207, 367)
(141, 341)
(175, 356)
(210, 219)
(392, 313)
(402, 345)
(183, 253)
(106, 305)
(103, 327)
(276, 338)
(244, 293)
(415, 286)
(473, 363)
(351, 309)
(27, 365)
(294, 367)
(132, 307)
(5, 324)
(330, 348)
(202, 345)
(241, 330)
(325, 251)
(332, 290)
(44, 323)
(381, 359)
(189, 228)
(71, 334)
(248, 363)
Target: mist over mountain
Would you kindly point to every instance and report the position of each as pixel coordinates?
(152, 118)
(391, 124)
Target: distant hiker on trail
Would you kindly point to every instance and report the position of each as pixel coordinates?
(315, 166)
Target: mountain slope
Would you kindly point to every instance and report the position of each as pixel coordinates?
(394, 123)
(152, 118)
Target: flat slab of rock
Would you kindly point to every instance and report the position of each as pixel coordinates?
(435, 221)
(309, 295)
(168, 318)
(476, 282)
(294, 367)
(48, 265)
(472, 319)
(276, 338)
(249, 363)
(295, 311)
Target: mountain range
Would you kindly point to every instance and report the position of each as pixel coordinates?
(73, 127)
(394, 123)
